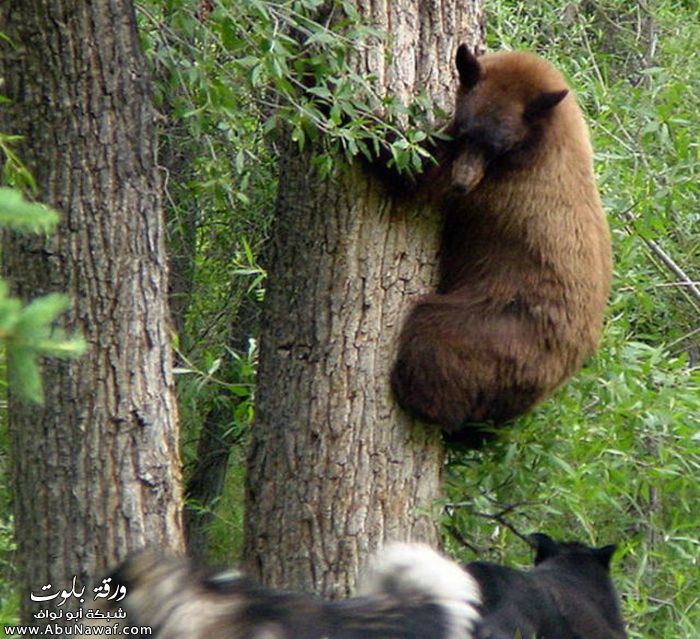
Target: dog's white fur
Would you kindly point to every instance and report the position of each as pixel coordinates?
(166, 594)
(410, 568)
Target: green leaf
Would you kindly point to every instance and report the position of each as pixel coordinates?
(44, 310)
(18, 214)
(23, 374)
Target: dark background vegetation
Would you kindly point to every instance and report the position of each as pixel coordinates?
(613, 457)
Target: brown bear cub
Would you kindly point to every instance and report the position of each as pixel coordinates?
(525, 263)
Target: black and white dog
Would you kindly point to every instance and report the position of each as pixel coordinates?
(411, 592)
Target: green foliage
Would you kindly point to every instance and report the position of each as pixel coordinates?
(225, 385)
(14, 171)
(288, 64)
(220, 189)
(19, 215)
(226, 532)
(27, 332)
(206, 385)
(614, 456)
(9, 598)
(232, 84)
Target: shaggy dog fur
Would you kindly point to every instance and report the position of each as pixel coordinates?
(411, 592)
(567, 595)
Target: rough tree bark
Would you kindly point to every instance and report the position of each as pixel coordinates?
(96, 468)
(335, 468)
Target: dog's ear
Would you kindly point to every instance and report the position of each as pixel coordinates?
(604, 555)
(545, 547)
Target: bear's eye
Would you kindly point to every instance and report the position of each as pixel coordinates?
(462, 130)
(485, 137)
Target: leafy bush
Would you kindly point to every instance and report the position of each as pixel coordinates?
(614, 456)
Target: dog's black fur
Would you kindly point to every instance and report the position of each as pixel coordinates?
(414, 594)
(567, 595)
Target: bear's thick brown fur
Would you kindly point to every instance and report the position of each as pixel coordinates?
(525, 262)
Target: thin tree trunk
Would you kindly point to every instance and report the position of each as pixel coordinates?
(205, 485)
(96, 468)
(335, 467)
(181, 236)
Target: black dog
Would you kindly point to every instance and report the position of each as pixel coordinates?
(411, 593)
(567, 595)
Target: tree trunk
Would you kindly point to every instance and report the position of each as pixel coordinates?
(96, 468)
(335, 467)
(205, 484)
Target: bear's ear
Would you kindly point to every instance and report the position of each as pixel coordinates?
(468, 67)
(543, 104)
(545, 547)
(604, 555)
